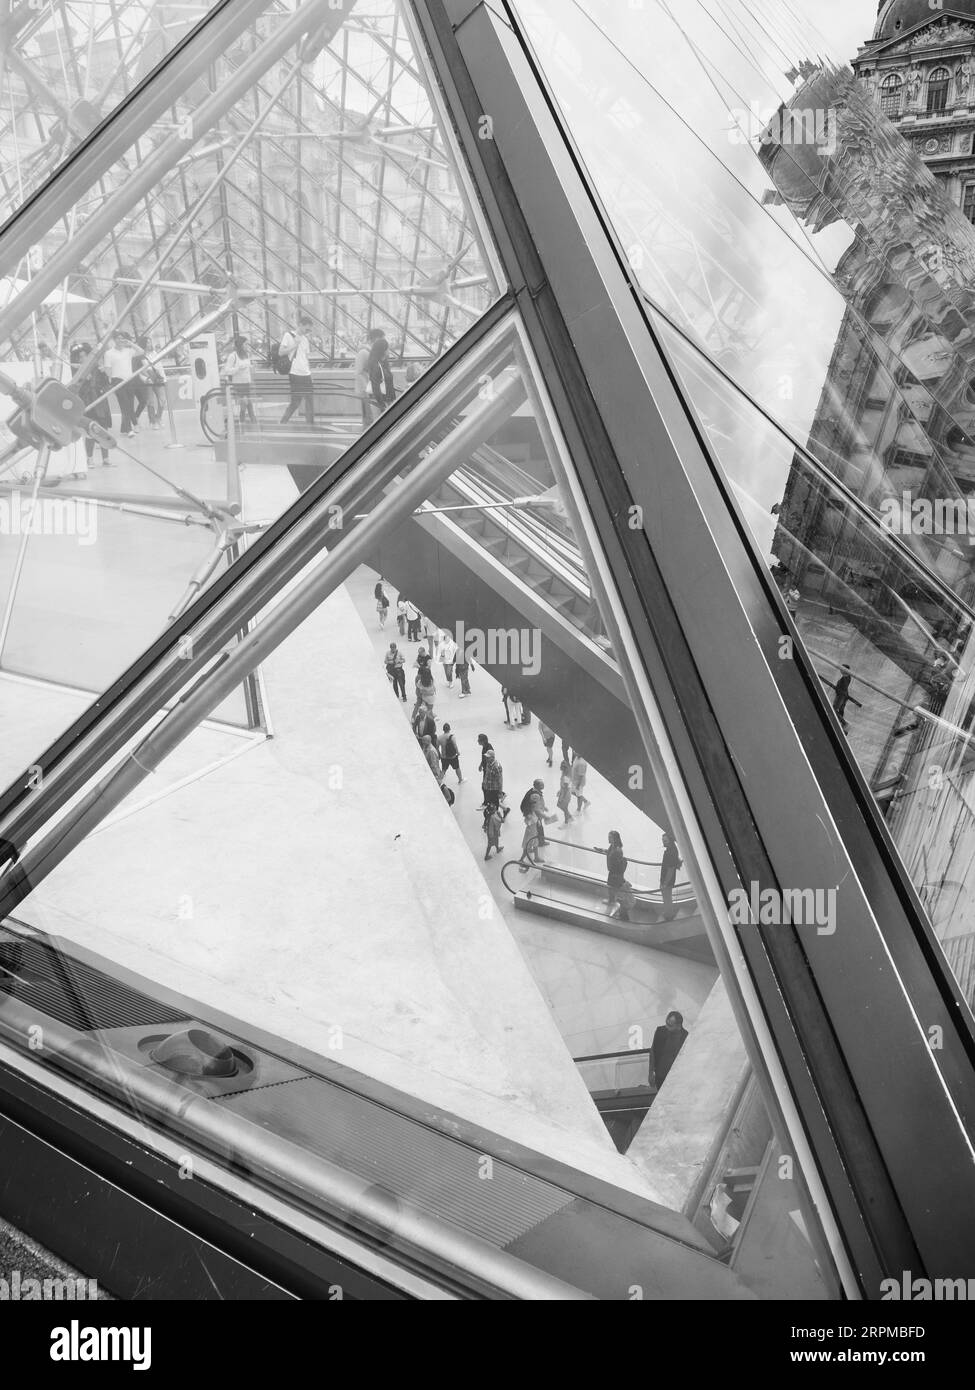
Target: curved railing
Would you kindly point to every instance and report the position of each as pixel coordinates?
(268, 397)
(683, 899)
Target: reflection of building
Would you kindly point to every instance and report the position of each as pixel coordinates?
(920, 65)
(895, 425)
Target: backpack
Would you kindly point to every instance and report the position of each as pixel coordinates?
(281, 361)
(450, 749)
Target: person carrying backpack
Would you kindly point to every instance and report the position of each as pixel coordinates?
(295, 348)
(449, 752)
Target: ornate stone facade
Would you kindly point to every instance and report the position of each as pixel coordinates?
(920, 65)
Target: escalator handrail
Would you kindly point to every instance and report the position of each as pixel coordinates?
(556, 902)
(554, 563)
(643, 863)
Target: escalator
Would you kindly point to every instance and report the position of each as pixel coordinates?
(513, 580)
(566, 882)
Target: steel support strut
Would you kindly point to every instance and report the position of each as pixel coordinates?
(314, 15)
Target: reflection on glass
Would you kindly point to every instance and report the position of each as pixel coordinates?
(814, 283)
(806, 249)
(456, 871)
(890, 642)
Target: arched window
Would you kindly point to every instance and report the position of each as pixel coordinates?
(938, 84)
(892, 95)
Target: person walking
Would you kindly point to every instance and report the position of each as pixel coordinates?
(493, 825)
(141, 393)
(462, 670)
(425, 726)
(668, 874)
(447, 656)
(95, 385)
(432, 758)
(842, 697)
(548, 740)
(363, 386)
(580, 771)
(492, 783)
(564, 799)
(667, 1043)
(412, 621)
(118, 367)
(506, 700)
(620, 898)
(431, 635)
(238, 369)
(296, 346)
(450, 752)
(426, 690)
(380, 370)
(401, 616)
(382, 602)
(534, 836)
(484, 743)
(535, 795)
(395, 664)
(156, 378)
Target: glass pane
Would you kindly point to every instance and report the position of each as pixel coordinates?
(64, 68)
(301, 248)
(813, 282)
(890, 642)
(806, 249)
(458, 871)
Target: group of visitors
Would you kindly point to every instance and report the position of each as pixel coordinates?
(621, 897)
(441, 752)
(123, 370)
(438, 646)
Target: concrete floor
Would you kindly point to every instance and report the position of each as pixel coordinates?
(598, 989)
(454, 994)
(320, 888)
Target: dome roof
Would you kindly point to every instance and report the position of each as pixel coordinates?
(899, 16)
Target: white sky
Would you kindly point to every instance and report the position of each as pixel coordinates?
(845, 24)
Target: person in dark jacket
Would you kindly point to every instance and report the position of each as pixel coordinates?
(94, 386)
(380, 369)
(620, 893)
(668, 874)
(667, 1042)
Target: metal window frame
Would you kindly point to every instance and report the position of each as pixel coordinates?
(714, 642)
(779, 804)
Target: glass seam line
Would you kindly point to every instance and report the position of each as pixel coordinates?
(816, 465)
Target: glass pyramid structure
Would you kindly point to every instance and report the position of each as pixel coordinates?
(487, 608)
